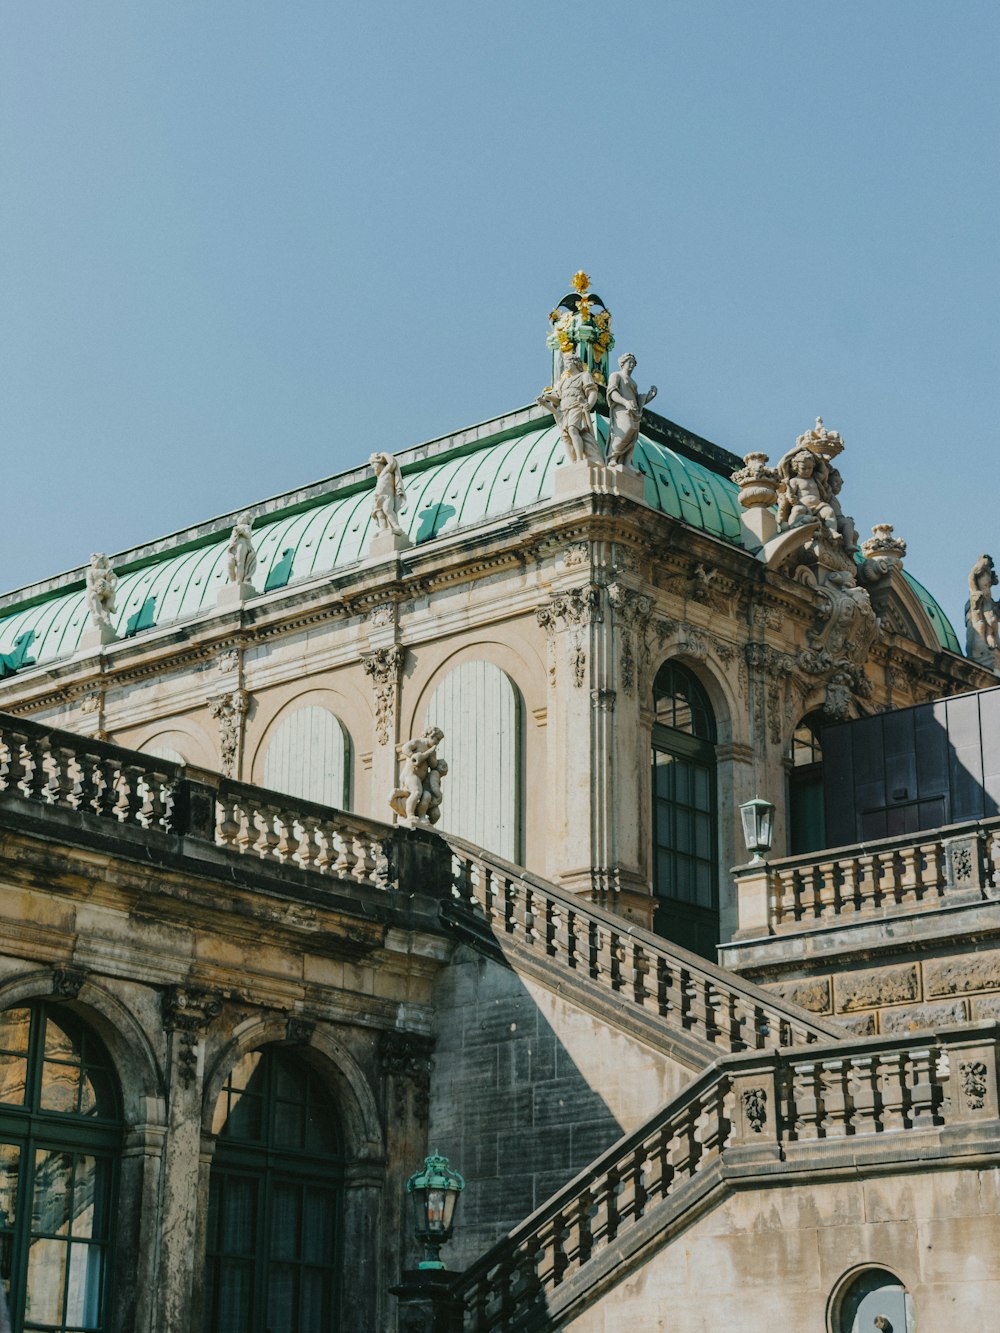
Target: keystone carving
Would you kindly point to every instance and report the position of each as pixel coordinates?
(67, 982)
(406, 1058)
(300, 1030)
(972, 1076)
(229, 710)
(187, 1013)
(755, 1108)
(384, 665)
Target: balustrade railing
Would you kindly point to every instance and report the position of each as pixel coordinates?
(887, 877)
(790, 1103)
(689, 994)
(57, 769)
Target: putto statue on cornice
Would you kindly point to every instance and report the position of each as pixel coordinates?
(102, 585)
(982, 615)
(810, 486)
(417, 799)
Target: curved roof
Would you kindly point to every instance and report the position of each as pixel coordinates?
(450, 491)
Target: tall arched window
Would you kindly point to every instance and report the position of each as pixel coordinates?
(273, 1246)
(308, 755)
(685, 838)
(478, 708)
(874, 1299)
(806, 822)
(60, 1142)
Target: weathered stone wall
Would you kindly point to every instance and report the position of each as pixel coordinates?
(776, 1258)
(527, 1090)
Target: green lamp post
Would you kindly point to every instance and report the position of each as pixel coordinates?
(434, 1191)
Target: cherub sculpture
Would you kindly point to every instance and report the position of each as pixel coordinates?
(389, 493)
(417, 799)
(810, 486)
(571, 402)
(625, 408)
(241, 559)
(102, 584)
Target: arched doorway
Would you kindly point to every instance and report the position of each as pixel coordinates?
(275, 1200)
(685, 833)
(60, 1144)
(478, 707)
(806, 818)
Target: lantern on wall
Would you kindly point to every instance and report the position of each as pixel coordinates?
(434, 1191)
(758, 827)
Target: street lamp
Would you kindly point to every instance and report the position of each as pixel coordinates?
(434, 1192)
(758, 826)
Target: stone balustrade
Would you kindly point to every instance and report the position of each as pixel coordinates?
(837, 1106)
(647, 973)
(123, 787)
(957, 864)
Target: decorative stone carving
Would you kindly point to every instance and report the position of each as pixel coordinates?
(241, 558)
(229, 710)
(387, 500)
(870, 990)
(604, 700)
(581, 323)
(187, 1012)
(381, 615)
(300, 1030)
(102, 585)
(758, 483)
(972, 1076)
(913, 1017)
(579, 664)
(417, 799)
(67, 982)
(574, 606)
(572, 401)
(576, 554)
(810, 486)
(406, 1058)
(91, 703)
(982, 615)
(228, 661)
(625, 408)
(755, 1108)
(384, 666)
(959, 976)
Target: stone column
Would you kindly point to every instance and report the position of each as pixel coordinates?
(187, 1013)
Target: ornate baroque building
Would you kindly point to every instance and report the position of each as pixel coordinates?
(242, 995)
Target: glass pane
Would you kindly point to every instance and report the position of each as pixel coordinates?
(243, 1073)
(59, 1045)
(683, 836)
(90, 1196)
(60, 1087)
(290, 1082)
(86, 1280)
(46, 1281)
(321, 1132)
(13, 1077)
(239, 1215)
(245, 1118)
(281, 1299)
(319, 1231)
(702, 788)
(682, 789)
(286, 1206)
(289, 1125)
(233, 1309)
(14, 1027)
(96, 1094)
(315, 1313)
(703, 836)
(50, 1203)
(664, 774)
(10, 1162)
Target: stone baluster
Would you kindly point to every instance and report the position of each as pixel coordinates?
(364, 858)
(807, 1101)
(14, 769)
(61, 787)
(712, 1125)
(228, 825)
(288, 840)
(575, 941)
(836, 1104)
(866, 885)
(639, 970)
(865, 1100)
(684, 1148)
(923, 1087)
(35, 779)
(309, 849)
(892, 1090)
(552, 924)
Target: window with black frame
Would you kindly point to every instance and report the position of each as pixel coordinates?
(685, 833)
(60, 1144)
(273, 1245)
(806, 821)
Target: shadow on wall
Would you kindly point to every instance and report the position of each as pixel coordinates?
(520, 1097)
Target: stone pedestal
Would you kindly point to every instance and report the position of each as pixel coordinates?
(97, 636)
(386, 542)
(585, 478)
(425, 1303)
(757, 526)
(231, 594)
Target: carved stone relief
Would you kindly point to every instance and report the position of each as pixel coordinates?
(972, 1076)
(406, 1058)
(755, 1108)
(229, 710)
(384, 666)
(187, 1012)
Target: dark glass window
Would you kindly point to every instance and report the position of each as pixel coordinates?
(60, 1140)
(806, 822)
(685, 836)
(274, 1201)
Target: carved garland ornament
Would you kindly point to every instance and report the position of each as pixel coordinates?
(972, 1076)
(406, 1058)
(384, 666)
(229, 709)
(187, 1012)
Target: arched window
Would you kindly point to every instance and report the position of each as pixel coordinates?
(874, 1299)
(273, 1245)
(806, 822)
(478, 708)
(308, 755)
(60, 1142)
(685, 838)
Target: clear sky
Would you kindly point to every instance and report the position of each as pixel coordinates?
(243, 243)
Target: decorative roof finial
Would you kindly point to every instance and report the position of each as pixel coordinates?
(581, 323)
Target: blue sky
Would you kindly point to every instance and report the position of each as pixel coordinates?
(242, 244)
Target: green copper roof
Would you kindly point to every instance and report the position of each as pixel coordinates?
(942, 625)
(446, 492)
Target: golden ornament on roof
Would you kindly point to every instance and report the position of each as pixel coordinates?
(581, 281)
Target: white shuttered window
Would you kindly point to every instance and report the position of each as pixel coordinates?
(308, 756)
(478, 708)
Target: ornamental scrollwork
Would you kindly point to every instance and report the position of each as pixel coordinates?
(575, 606)
(384, 666)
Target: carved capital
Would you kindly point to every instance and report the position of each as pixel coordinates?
(604, 700)
(574, 606)
(406, 1058)
(630, 607)
(187, 1013)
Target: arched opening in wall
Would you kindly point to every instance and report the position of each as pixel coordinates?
(60, 1147)
(479, 709)
(275, 1200)
(872, 1299)
(157, 751)
(806, 818)
(309, 755)
(685, 825)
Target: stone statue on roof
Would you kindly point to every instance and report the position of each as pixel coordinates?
(390, 493)
(572, 401)
(810, 486)
(417, 799)
(241, 558)
(102, 585)
(625, 408)
(982, 615)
